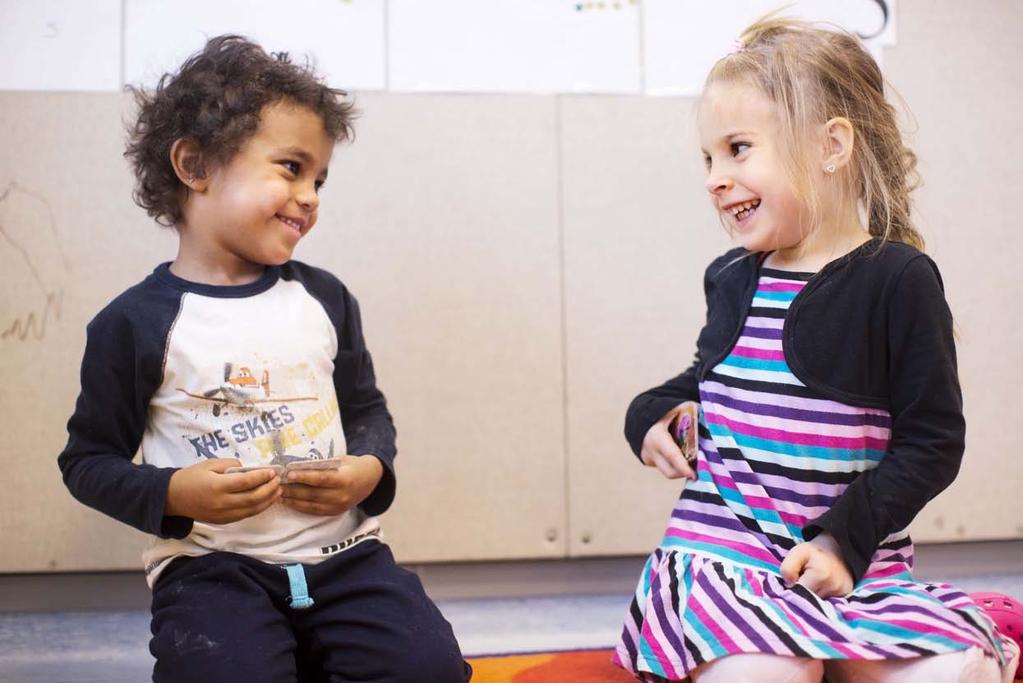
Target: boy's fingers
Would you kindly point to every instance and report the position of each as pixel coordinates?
(268, 502)
(245, 481)
(220, 464)
(251, 510)
(256, 507)
(293, 491)
(325, 478)
(313, 494)
(248, 498)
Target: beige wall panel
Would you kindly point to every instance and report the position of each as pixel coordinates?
(442, 218)
(957, 66)
(71, 240)
(638, 235)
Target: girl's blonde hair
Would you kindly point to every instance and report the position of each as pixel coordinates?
(813, 75)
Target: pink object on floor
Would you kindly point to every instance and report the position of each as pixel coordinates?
(1007, 613)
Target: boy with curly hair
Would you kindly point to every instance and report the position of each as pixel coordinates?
(267, 448)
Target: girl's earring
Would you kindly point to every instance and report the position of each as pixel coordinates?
(830, 168)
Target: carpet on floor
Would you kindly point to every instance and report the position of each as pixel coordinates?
(585, 666)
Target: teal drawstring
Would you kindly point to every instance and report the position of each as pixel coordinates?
(299, 598)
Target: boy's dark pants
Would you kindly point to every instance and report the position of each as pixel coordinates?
(225, 618)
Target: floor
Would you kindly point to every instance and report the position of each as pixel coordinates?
(111, 646)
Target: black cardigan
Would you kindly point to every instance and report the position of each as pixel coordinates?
(871, 329)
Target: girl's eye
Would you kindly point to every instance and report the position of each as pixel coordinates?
(318, 185)
(293, 166)
(706, 162)
(739, 147)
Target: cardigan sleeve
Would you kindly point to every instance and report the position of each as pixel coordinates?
(653, 404)
(927, 429)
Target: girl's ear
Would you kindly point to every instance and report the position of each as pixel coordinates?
(838, 136)
(186, 158)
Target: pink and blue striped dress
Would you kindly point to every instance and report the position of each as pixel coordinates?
(773, 456)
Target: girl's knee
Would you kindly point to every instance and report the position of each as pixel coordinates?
(967, 666)
(981, 668)
(757, 668)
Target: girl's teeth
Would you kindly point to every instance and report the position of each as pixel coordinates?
(743, 208)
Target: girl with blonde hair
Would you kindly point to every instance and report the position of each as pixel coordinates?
(829, 408)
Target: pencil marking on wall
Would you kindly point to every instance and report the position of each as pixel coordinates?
(29, 231)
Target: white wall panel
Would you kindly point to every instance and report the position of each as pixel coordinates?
(513, 46)
(345, 40)
(60, 45)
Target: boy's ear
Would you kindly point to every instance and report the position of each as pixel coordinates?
(186, 158)
(838, 139)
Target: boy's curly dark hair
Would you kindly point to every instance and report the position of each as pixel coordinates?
(215, 99)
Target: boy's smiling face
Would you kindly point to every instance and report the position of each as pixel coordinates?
(746, 177)
(252, 210)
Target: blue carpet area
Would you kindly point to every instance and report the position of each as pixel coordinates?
(112, 647)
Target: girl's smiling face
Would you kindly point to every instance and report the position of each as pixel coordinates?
(746, 174)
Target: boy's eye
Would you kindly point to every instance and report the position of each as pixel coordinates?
(706, 162)
(318, 185)
(293, 166)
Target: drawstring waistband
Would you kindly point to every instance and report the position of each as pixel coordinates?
(299, 598)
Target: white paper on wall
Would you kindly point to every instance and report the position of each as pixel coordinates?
(60, 45)
(514, 46)
(610, 46)
(343, 38)
(683, 38)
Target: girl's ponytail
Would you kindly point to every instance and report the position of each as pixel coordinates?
(888, 172)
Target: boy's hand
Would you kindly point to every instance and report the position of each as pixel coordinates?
(204, 493)
(660, 450)
(332, 492)
(818, 566)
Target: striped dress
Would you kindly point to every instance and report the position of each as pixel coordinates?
(774, 455)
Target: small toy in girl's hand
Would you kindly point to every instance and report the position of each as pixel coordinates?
(684, 429)
(1007, 613)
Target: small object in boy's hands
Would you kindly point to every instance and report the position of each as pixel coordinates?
(294, 465)
(278, 470)
(324, 464)
(684, 429)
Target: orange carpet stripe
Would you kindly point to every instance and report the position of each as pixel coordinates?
(590, 666)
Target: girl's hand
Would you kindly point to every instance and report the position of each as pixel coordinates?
(818, 565)
(660, 450)
(332, 492)
(203, 492)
